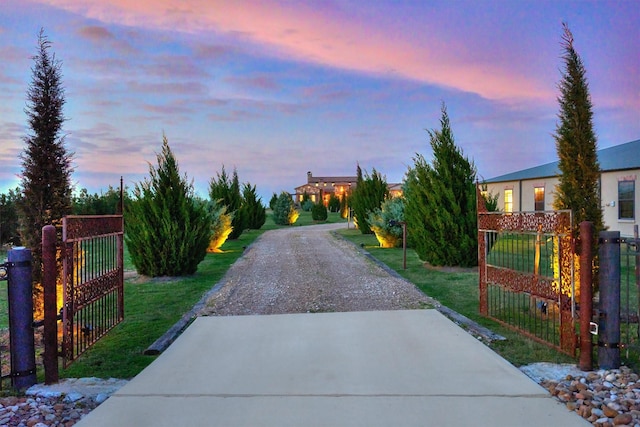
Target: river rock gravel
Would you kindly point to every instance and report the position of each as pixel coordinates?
(605, 398)
(61, 404)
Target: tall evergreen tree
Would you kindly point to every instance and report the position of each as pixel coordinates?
(576, 143)
(370, 192)
(46, 163)
(168, 229)
(272, 201)
(227, 192)
(440, 205)
(255, 212)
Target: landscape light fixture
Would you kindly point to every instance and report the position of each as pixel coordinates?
(393, 223)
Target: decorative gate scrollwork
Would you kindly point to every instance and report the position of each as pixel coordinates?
(526, 273)
(93, 280)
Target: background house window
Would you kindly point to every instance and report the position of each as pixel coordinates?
(508, 200)
(538, 196)
(626, 199)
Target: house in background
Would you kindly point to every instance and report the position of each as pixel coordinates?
(533, 189)
(323, 187)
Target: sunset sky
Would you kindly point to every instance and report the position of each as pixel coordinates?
(279, 88)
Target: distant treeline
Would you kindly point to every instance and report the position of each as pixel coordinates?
(84, 203)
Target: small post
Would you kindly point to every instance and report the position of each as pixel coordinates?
(404, 245)
(120, 209)
(586, 295)
(49, 276)
(23, 354)
(609, 342)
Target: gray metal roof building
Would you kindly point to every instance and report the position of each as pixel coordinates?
(619, 157)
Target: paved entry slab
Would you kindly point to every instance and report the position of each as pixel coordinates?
(384, 368)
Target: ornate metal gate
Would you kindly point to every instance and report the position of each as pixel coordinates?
(93, 285)
(526, 269)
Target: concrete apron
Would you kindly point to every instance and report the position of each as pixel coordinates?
(383, 368)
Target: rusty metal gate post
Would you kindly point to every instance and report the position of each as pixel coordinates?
(586, 295)
(609, 318)
(481, 208)
(22, 342)
(49, 278)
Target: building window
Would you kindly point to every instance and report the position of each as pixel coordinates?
(538, 198)
(626, 199)
(508, 200)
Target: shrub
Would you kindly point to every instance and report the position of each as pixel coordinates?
(284, 211)
(220, 225)
(385, 222)
(272, 201)
(344, 206)
(254, 211)
(370, 192)
(168, 230)
(307, 205)
(228, 192)
(440, 201)
(319, 212)
(334, 203)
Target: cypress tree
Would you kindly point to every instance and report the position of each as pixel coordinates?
(370, 192)
(227, 192)
(273, 200)
(576, 143)
(440, 207)
(46, 163)
(168, 229)
(254, 211)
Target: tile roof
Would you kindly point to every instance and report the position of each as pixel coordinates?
(618, 157)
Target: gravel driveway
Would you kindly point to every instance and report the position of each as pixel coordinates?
(307, 269)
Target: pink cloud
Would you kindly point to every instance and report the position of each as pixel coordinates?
(321, 35)
(101, 36)
(326, 93)
(95, 33)
(254, 82)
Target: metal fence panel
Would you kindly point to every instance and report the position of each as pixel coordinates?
(526, 274)
(93, 280)
(630, 301)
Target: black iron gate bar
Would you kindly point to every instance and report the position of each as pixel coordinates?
(5, 368)
(630, 293)
(93, 272)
